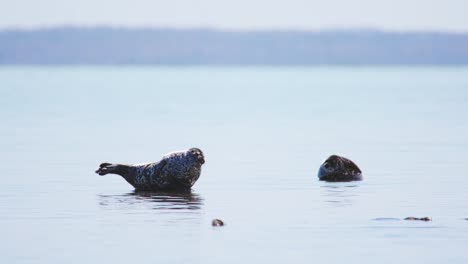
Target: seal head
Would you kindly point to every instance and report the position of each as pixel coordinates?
(339, 169)
(197, 154)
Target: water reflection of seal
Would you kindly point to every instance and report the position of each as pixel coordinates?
(181, 201)
(176, 171)
(339, 169)
(340, 195)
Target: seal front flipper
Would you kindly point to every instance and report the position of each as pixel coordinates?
(106, 168)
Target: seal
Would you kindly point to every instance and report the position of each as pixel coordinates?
(175, 171)
(339, 169)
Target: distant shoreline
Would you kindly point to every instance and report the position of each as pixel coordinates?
(226, 30)
(236, 65)
(110, 46)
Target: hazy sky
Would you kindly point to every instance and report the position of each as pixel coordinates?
(241, 14)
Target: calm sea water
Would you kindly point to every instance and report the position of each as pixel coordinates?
(264, 131)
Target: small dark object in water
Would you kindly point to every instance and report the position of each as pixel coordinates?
(175, 171)
(217, 222)
(418, 219)
(339, 169)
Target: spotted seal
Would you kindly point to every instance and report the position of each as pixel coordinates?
(175, 171)
(339, 169)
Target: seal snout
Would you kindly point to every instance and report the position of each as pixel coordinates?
(201, 159)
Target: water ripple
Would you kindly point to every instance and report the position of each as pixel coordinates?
(180, 201)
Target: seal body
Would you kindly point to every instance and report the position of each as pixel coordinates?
(175, 171)
(339, 169)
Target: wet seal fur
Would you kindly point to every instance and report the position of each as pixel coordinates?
(175, 171)
(339, 169)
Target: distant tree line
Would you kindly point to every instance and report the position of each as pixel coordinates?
(70, 45)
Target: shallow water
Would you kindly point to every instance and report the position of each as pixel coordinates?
(265, 131)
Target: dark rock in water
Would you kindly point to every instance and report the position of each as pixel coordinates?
(175, 171)
(217, 222)
(419, 218)
(339, 169)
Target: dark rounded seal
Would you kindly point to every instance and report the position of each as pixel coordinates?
(339, 169)
(176, 171)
